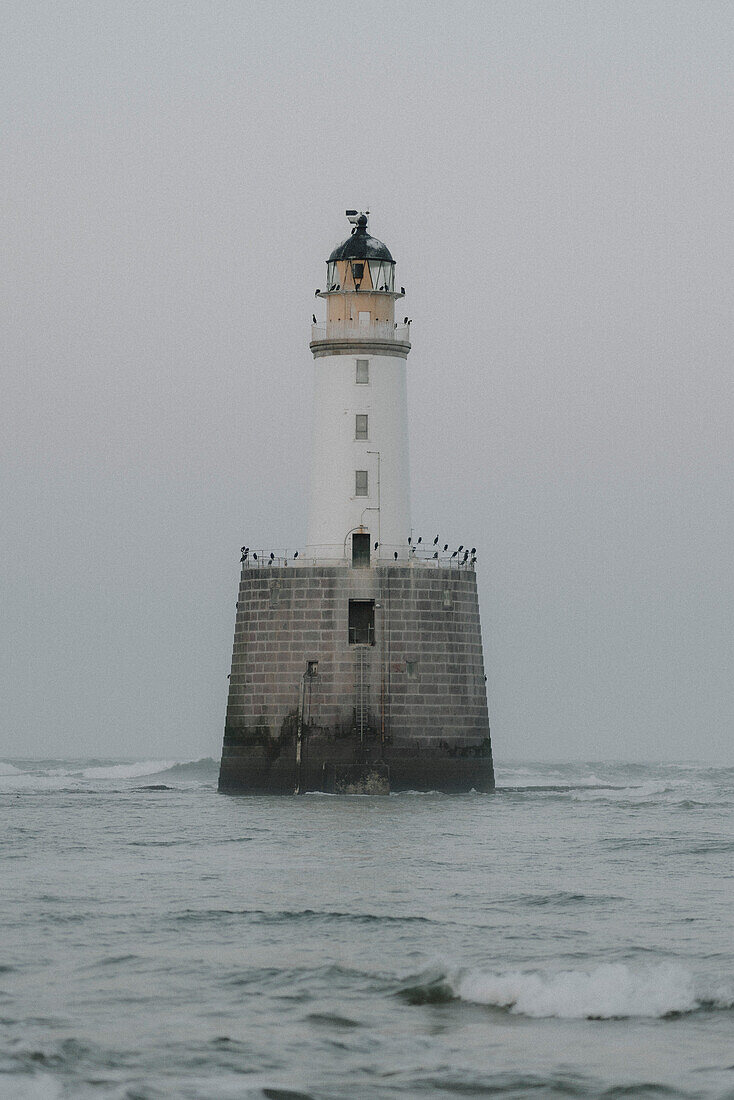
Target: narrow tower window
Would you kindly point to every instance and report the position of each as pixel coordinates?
(360, 551)
(360, 483)
(360, 426)
(363, 372)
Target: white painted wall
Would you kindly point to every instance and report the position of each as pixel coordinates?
(334, 510)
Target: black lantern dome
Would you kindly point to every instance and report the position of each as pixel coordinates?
(360, 246)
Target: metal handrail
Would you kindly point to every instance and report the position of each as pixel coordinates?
(349, 330)
(262, 559)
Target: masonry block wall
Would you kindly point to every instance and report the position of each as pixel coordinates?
(415, 699)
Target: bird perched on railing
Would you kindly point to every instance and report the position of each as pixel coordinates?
(313, 318)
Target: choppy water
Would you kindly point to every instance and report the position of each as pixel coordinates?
(569, 936)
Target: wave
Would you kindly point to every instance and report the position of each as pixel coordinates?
(42, 777)
(205, 766)
(282, 916)
(646, 790)
(181, 768)
(129, 771)
(610, 991)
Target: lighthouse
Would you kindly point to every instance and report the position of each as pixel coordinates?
(357, 662)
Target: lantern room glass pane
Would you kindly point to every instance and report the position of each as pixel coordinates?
(375, 274)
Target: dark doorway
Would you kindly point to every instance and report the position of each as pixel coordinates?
(361, 622)
(361, 551)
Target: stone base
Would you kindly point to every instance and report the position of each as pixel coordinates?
(411, 701)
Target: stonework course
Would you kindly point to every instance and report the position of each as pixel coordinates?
(414, 700)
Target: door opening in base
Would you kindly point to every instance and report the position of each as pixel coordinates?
(361, 622)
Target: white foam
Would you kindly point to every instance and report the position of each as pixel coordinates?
(608, 991)
(131, 771)
(8, 769)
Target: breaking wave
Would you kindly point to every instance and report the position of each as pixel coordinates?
(181, 768)
(610, 991)
(44, 777)
(129, 771)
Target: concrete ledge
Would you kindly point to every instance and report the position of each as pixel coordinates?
(397, 348)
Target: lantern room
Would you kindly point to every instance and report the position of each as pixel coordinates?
(362, 266)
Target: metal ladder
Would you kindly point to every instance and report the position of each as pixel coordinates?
(361, 692)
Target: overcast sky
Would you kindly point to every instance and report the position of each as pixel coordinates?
(555, 182)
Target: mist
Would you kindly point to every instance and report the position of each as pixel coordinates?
(554, 182)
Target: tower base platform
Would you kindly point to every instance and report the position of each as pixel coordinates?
(357, 680)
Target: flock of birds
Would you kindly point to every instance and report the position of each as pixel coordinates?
(335, 286)
(469, 556)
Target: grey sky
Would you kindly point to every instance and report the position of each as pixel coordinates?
(555, 182)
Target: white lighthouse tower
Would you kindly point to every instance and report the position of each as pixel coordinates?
(360, 482)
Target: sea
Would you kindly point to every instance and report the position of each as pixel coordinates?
(570, 935)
